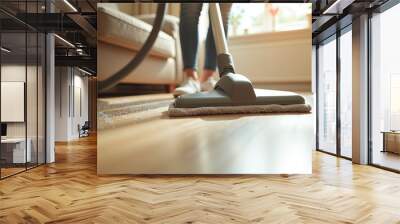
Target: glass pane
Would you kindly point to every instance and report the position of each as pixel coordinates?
(41, 98)
(327, 97)
(31, 100)
(14, 152)
(32, 88)
(386, 89)
(346, 94)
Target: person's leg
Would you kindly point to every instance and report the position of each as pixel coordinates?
(210, 64)
(189, 37)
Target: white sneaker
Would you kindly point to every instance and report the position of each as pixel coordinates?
(188, 87)
(208, 85)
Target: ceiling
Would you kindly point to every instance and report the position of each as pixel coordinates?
(76, 25)
(75, 21)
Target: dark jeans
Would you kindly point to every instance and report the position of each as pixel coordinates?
(189, 35)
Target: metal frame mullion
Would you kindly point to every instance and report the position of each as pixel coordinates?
(0, 95)
(370, 149)
(37, 91)
(44, 80)
(338, 93)
(26, 88)
(317, 96)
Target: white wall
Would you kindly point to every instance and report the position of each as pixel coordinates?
(17, 73)
(14, 73)
(280, 57)
(71, 87)
(12, 100)
(82, 82)
(80, 110)
(272, 58)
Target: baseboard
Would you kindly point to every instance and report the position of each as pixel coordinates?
(286, 86)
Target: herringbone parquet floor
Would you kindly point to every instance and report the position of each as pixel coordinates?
(69, 191)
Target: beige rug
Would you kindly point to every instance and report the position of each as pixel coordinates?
(114, 112)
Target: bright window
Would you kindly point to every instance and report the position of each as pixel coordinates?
(327, 96)
(268, 17)
(346, 94)
(385, 90)
(394, 101)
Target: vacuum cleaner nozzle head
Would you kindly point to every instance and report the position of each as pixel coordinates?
(234, 93)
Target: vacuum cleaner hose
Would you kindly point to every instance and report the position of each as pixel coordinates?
(135, 62)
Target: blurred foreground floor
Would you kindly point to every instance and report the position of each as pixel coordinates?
(136, 136)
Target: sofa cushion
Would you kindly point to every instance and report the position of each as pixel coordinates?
(170, 26)
(123, 7)
(153, 70)
(120, 29)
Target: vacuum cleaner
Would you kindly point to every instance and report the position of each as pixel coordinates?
(233, 93)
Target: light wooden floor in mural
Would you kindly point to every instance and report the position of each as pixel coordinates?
(69, 191)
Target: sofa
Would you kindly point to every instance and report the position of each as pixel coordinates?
(120, 36)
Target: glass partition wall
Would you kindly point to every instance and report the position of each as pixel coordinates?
(22, 88)
(334, 94)
(13, 108)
